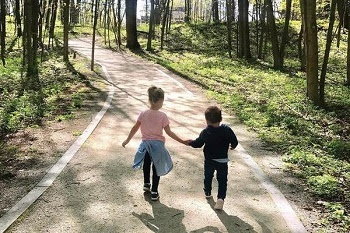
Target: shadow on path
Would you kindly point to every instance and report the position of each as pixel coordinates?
(233, 224)
(164, 219)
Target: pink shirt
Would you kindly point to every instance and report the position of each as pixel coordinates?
(152, 124)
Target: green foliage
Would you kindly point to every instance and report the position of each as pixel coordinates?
(324, 186)
(315, 141)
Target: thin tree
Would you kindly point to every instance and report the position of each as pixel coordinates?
(53, 20)
(243, 30)
(119, 5)
(277, 61)
(229, 26)
(308, 12)
(2, 30)
(131, 31)
(97, 2)
(18, 18)
(215, 10)
(65, 29)
(31, 15)
(166, 4)
(348, 54)
(328, 48)
(150, 26)
(263, 26)
(286, 29)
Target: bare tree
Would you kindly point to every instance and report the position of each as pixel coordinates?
(308, 12)
(2, 30)
(328, 48)
(151, 26)
(65, 29)
(229, 26)
(243, 30)
(277, 61)
(31, 15)
(97, 2)
(18, 18)
(131, 31)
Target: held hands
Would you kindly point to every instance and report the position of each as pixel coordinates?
(187, 142)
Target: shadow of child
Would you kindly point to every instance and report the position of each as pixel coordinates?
(233, 224)
(164, 219)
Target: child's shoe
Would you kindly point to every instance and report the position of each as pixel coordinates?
(219, 204)
(154, 196)
(147, 187)
(207, 195)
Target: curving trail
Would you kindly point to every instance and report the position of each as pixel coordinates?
(99, 192)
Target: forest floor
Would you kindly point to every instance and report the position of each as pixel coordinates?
(99, 191)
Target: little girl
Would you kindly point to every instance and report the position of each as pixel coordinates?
(152, 149)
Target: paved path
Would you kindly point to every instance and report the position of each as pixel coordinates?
(99, 192)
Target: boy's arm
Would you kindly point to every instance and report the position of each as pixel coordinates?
(198, 143)
(132, 133)
(173, 135)
(233, 140)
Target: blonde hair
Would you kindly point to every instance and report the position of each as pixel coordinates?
(155, 94)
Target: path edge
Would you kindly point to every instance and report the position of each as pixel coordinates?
(21, 206)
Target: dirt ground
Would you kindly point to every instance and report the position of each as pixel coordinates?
(98, 190)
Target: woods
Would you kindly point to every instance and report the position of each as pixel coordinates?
(282, 66)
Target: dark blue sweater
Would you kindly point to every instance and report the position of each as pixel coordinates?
(216, 141)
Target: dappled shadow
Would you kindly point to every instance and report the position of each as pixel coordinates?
(165, 219)
(232, 223)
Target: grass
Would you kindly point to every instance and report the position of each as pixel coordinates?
(315, 141)
(65, 88)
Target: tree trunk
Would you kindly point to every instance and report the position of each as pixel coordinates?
(308, 9)
(341, 11)
(285, 30)
(97, 2)
(187, 11)
(328, 48)
(277, 62)
(2, 30)
(348, 62)
(53, 20)
(65, 29)
(262, 36)
(301, 50)
(31, 15)
(18, 18)
(119, 24)
(165, 16)
(215, 10)
(243, 27)
(131, 31)
(229, 26)
(151, 25)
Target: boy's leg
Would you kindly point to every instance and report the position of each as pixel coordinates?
(208, 176)
(155, 179)
(147, 168)
(221, 176)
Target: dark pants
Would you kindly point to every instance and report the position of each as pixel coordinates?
(221, 169)
(147, 173)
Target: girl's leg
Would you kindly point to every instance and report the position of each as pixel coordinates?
(155, 179)
(208, 176)
(221, 176)
(147, 168)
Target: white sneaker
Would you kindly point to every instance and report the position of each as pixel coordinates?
(219, 204)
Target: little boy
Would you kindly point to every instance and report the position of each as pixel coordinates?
(216, 139)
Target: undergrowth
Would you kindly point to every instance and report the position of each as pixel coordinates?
(315, 141)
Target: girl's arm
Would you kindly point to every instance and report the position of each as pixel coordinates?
(132, 133)
(173, 135)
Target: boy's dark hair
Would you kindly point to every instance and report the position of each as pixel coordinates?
(155, 94)
(213, 114)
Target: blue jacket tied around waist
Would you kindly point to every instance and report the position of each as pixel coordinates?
(159, 156)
